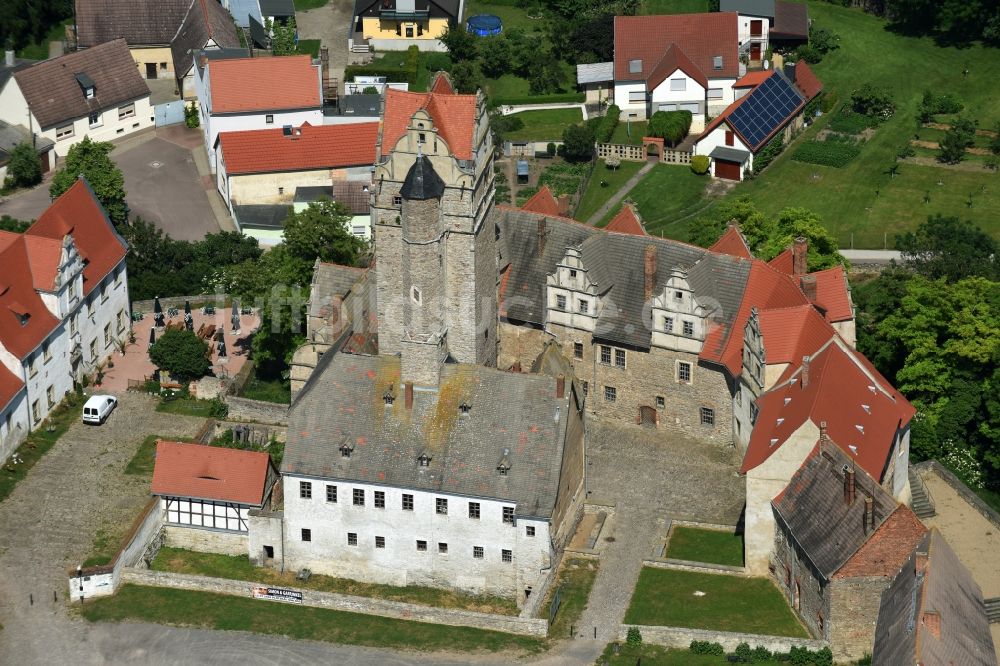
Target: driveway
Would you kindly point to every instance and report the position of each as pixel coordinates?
(331, 24)
(163, 185)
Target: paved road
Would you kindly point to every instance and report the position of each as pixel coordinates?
(871, 256)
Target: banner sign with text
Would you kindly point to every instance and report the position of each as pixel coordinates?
(277, 594)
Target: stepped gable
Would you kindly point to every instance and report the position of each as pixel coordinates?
(454, 117)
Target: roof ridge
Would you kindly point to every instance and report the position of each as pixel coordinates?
(180, 26)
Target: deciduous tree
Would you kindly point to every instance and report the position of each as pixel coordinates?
(92, 160)
(181, 353)
(23, 168)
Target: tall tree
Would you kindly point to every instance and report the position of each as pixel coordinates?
(950, 248)
(282, 38)
(91, 159)
(461, 44)
(181, 353)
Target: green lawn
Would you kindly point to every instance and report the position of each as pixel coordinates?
(268, 390)
(510, 14)
(190, 406)
(509, 87)
(398, 59)
(145, 456)
(310, 46)
(596, 194)
(231, 613)
(730, 603)
(664, 195)
(629, 133)
(575, 581)
(545, 125)
(654, 7)
(709, 546)
(238, 567)
(38, 443)
(104, 548)
(302, 5)
(862, 198)
(40, 50)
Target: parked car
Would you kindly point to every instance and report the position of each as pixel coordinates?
(98, 408)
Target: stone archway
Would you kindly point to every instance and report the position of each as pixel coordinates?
(653, 147)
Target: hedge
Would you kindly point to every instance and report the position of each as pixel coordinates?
(555, 98)
(608, 124)
(826, 153)
(768, 153)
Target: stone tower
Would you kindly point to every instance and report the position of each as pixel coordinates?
(432, 215)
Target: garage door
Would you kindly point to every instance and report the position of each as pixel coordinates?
(726, 169)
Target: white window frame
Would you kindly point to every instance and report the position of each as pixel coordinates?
(678, 85)
(65, 132)
(715, 93)
(126, 111)
(95, 123)
(637, 96)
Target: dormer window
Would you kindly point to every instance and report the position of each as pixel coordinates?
(388, 398)
(424, 460)
(23, 317)
(87, 85)
(346, 448)
(503, 468)
(464, 408)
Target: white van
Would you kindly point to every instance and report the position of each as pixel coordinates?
(98, 408)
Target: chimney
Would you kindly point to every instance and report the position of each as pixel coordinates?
(8, 58)
(649, 270)
(408, 395)
(919, 563)
(823, 436)
(932, 620)
(869, 516)
(800, 256)
(560, 386)
(808, 284)
(804, 378)
(563, 205)
(790, 71)
(849, 485)
(542, 234)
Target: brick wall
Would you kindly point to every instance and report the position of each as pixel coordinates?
(392, 609)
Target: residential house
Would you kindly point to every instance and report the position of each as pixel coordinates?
(596, 81)
(96, 93)
(765, 24)
(771, 110)
(395, 25)
(933, 613)
(13, 135)
(680, 62)
(239, 94)
(266, 166)
(841, 540)
(63, 307)
(207, 493)
(147, 26)
(353, 195)
(354, 108)
(207, 25)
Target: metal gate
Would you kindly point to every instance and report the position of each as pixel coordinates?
(169, 113)
(554, 605)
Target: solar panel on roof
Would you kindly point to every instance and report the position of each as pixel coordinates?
(765, 108)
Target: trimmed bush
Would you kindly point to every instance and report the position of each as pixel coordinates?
(932, 105)
(608, 124)
(671, 126)
(699, 164)
(706, 647)
(634, 637)
(827, 153)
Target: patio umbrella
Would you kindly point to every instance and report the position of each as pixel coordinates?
(152, 336)
(219, 334)
(235, 318)
(222, 351)
(157, 313)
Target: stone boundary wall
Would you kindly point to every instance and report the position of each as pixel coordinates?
(681, 637)
(715, 527)
(510, 624)
(963, 490)
(700, 567)
(627, 152)
(218, 300)
(675, 156)
(256, 411)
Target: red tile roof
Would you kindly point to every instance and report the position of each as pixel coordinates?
(862, 410)
(806, 80)
(753, 79)
(626, 222)
(210, 472)
(44, 255)
(239, 85)
(542, 202)
(700, 36)
(887, 548)
(833, 294)
(10, 386)
(791, 333)
(733, 244)
(784, 262)
(442, 84)
(672, 60)
(309, 147)
(78, 213)
(454, 117)
(18, 299)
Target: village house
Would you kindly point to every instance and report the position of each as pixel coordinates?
(353, 195)
(13, 135)
(840, 541)
(63, 307)
(286, 93)
(395, 25)
(207, 26)
(765, 24)
(933, 613)
(680, 62)
(768, 107)
(96, 93)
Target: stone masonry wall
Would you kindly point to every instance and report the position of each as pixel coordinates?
(854, 604)
(256, 411)
(205, 541)
(351, 604)
(677, 637)
(801, 585)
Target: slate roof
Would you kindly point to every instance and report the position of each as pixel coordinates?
(512, 415)
(262, 216)
(359, 105)
(422, 182)
(78, 213)
(731, 154)
(310, 193)
(242, 10)
(437, 8)
(829, 529)
(206, 21)
(454, 117)
(598, 72)
(12, 135)
(210, 473)
(791, 21)
(330, 281)
(277, 8)
(307, 148)
(242, 85)
(941, 585)
(614, 263)
(700, 36)
(353, 195)
(138, 22)
(748, 7)
(54, 94)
